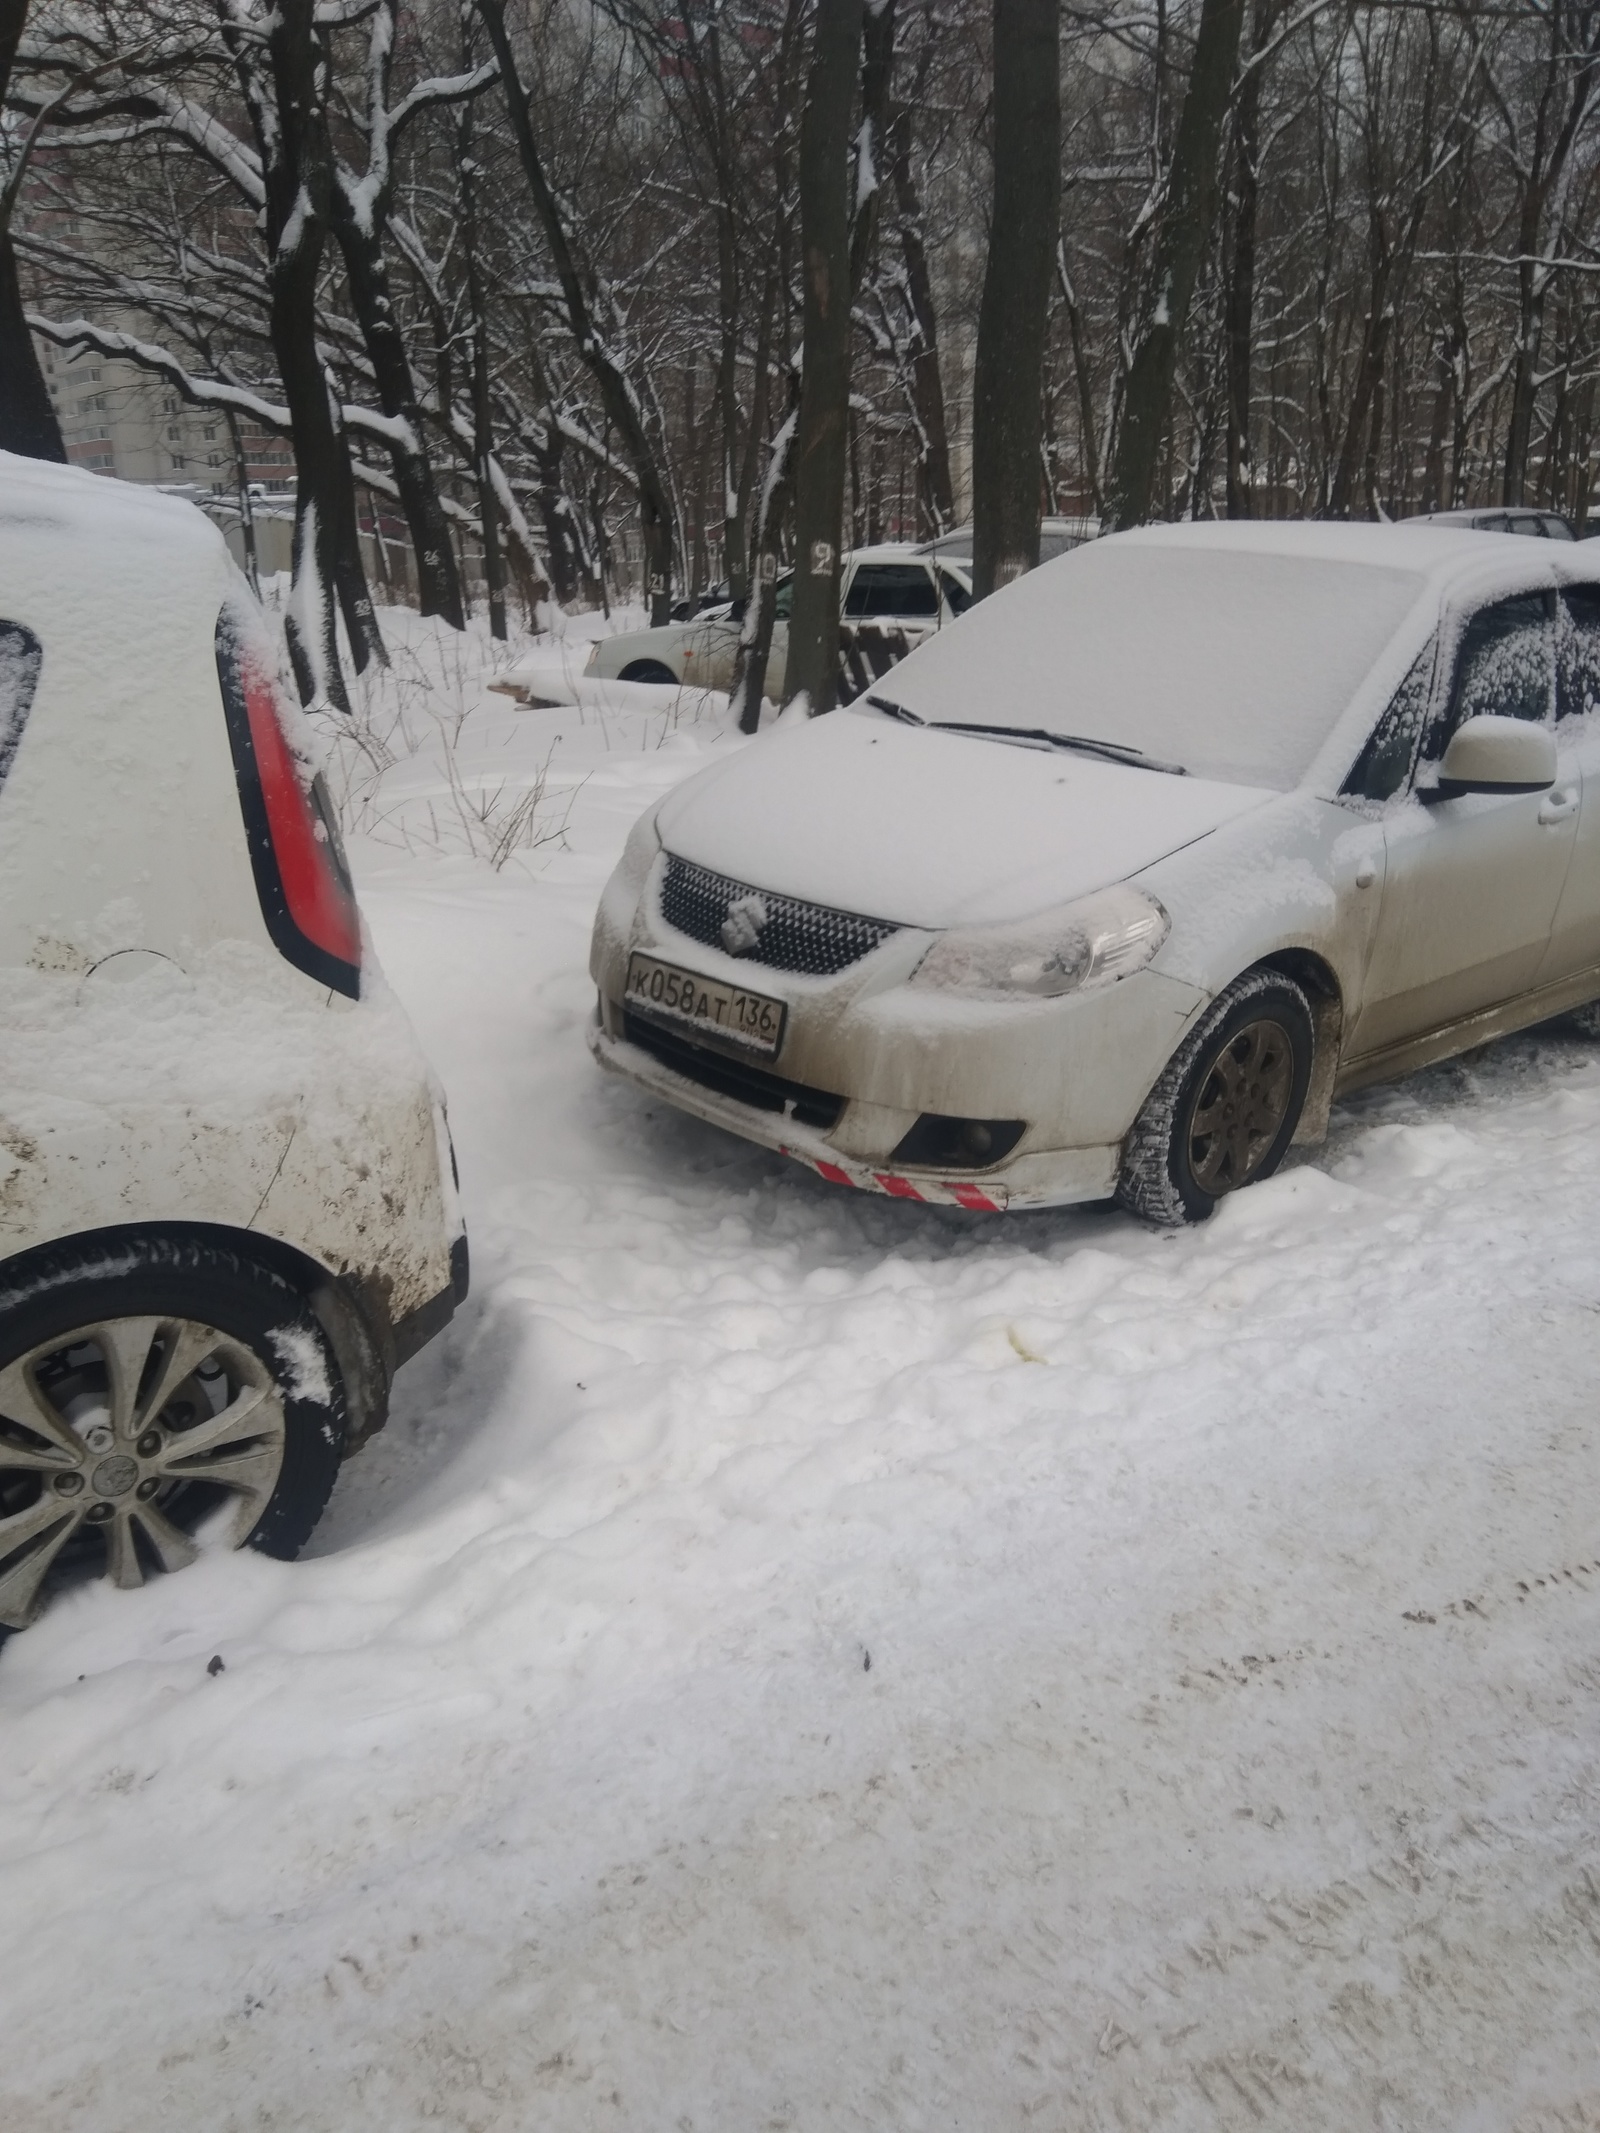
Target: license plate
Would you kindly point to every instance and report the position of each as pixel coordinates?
(750, 1019)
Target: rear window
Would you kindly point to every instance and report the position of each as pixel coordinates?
(1236, 663)
(891, 589)
(20, 660)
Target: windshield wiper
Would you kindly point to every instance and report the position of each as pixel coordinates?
(1079, 743)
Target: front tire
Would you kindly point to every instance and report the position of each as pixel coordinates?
(149, 1390)
(1224, 1111)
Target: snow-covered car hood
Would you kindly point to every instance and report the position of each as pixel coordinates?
(932, 828)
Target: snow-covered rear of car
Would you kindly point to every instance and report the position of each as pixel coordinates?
(198, 1053)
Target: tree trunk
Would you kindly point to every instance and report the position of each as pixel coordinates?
(1240, 301)
(494, 573)
(1014, 315)
(494, 576)
(298, 177)
(563, 537)
(755, 639)
(1369, 377)
(742, 479)
(1187, 215)
(28, 424)
(1433, 472)
(367, 275)
(617, 394)
(733, 556)
(1582, 454)
(820, 437)
(935, 494)
(1531, 281)
(1087, 435)
(247, 513)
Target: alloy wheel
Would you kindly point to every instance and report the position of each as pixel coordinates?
(1243, 1102)
(118, 1440)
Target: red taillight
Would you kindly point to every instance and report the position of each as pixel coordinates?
(306, 895)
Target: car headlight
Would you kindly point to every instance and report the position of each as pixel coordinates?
(619, 899)
(639, 853)
(1091, 942)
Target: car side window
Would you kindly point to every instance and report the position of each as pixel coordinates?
(21, 657)
(956, 595)
(1578, 651)
(891, 589)
(1385, 763)
(1505, 668)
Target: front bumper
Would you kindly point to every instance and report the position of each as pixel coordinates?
(1043, 1178)
(865, 1054)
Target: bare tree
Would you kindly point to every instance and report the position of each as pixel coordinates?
(1007, 415)
(586, 306)
(820, 432)
(1183, 231)
(28, 422)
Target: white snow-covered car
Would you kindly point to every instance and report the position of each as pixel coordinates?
(1057, 536)
(227, 1207)
(1112, 887)
(1541, 525)
(895, 586)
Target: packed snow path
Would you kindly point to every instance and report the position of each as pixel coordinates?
(799, 1660)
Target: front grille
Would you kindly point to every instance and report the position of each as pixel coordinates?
(780, 931)
(751, 1085)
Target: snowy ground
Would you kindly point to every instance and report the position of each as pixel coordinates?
(799, 1660)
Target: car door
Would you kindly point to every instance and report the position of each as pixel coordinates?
(1472, 885)
(956, 591)
(1575, 940)
(711, 645)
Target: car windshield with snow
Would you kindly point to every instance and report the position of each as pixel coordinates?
(1110, 887)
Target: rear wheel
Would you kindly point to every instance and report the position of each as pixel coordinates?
(648, 670)
(152, 1395)
(1224, 1112)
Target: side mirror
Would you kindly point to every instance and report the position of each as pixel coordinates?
(1492, 754)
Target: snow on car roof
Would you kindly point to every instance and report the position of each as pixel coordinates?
(86, 553)
(885, 552)
(1231, 648)
(93, 506)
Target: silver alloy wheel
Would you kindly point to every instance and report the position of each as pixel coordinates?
(132, 1430)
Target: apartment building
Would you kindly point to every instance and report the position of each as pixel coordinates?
(118, 419)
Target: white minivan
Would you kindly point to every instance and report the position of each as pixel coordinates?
(227, 1199)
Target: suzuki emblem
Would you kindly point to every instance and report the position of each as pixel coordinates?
(741, 929)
